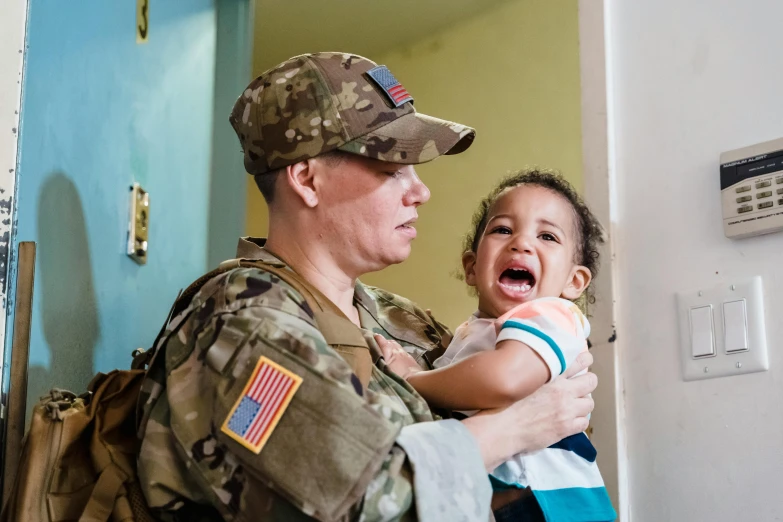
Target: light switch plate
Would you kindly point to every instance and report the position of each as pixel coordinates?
(723, 364)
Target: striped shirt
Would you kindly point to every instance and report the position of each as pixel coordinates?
(563, 477)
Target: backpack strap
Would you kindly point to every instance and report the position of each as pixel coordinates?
(340, 333)
(143, 358)
(104, 495)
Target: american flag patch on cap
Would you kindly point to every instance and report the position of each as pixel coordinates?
(261, 404)
(382, 76)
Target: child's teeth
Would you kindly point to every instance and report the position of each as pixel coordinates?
(518, 288)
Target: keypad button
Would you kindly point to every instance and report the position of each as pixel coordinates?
(780, 201)
(765, 194)
(763, 184)
(766, 204)
(779, 180)
(746, 208)
(742, 189)
(780, 191)
(743, 199)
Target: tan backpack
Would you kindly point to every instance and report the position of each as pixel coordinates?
(79, 457)
(78, 461)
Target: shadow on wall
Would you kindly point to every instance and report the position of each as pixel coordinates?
(67, 297)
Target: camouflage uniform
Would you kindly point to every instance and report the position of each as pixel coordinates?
(339, 452)
(344, 457)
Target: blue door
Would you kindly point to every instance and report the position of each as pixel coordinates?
(101, 111)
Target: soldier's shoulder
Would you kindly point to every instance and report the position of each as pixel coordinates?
(396, 308)
(385, 299)
(406, 321)
(243, 287)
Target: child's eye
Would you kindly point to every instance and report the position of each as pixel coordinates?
(546, 236)
(501, 230)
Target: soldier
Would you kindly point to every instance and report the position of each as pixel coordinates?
(248, 412)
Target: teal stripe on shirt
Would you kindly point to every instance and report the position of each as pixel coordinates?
(541, 335)
(576, 505)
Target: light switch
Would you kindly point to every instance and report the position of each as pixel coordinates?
(735, 326)
(702, 337)
(722, 329)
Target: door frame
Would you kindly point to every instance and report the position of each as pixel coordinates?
(13, 48)
(599, 174)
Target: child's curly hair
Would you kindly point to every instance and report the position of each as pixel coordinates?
(590, 233)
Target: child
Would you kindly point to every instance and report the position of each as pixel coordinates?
(532, 253)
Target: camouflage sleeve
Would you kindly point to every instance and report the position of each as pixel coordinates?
(332, 451)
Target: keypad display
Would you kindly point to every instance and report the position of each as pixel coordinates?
(751, 183)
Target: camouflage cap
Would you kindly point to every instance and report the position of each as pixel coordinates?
(315, 103)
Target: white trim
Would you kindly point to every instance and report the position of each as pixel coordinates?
(13, 25)
(608, 420)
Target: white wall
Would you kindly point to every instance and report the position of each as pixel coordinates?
(688, 80)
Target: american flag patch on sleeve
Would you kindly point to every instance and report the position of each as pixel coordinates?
(261, 405)
(382, 76)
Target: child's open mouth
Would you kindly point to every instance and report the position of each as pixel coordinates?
(516, 281)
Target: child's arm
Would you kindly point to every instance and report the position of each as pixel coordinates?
(484, 380)
(535, 344)
(491, 379)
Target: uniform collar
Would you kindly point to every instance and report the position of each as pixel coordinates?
(253, 248)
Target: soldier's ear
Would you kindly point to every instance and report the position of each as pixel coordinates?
(301, 178)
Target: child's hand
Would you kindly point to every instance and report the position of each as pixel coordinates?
(397, 359)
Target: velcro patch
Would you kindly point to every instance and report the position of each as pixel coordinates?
(261, 404)
(383, 77)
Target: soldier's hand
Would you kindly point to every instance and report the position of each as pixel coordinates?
(397, 359)
(553, 412)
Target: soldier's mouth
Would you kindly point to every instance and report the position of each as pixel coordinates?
(407, 228)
